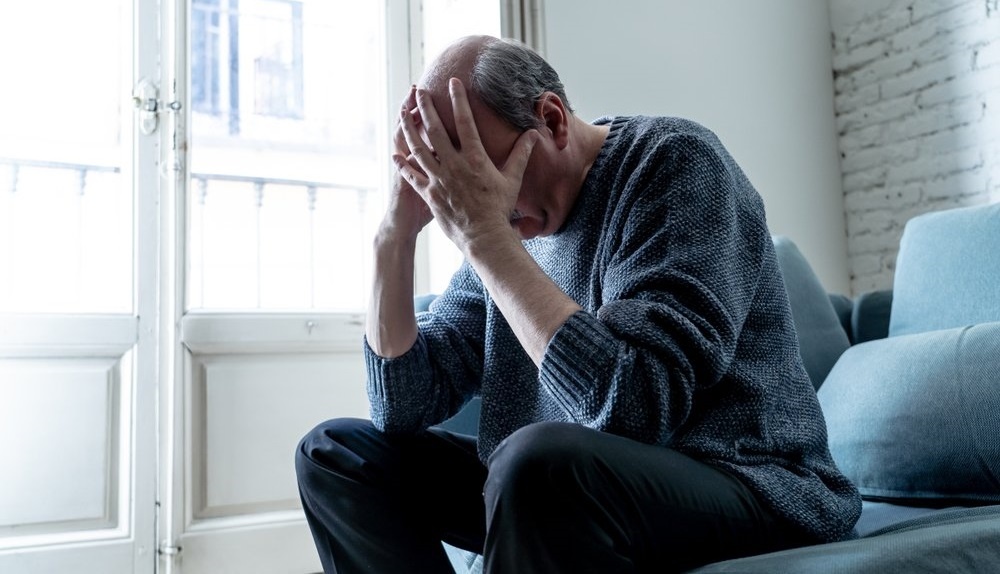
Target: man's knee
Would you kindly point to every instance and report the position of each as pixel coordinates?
(538, 460)
(329, 447)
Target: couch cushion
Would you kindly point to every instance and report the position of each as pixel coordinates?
(870, 316)
(947, 271)
(821, 336)
(843, 306)
(916, 417)
(423, 302)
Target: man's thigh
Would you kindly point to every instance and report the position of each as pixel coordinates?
(666, 508)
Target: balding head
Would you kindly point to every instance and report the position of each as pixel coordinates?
(504, 76)
(456, 61)
(510, 89)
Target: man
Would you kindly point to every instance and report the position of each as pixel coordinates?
(621, 313)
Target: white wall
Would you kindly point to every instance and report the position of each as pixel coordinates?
(757, 73)
(918, 109)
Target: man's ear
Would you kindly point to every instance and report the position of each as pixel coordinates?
(555, 117)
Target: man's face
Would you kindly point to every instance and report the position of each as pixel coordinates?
(532, 214)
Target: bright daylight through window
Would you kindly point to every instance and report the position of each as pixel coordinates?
(65, 198)
(285, 99)
(288, 163)
(287, 166)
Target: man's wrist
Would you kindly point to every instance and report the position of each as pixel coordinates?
(391, 238)
(487, 239)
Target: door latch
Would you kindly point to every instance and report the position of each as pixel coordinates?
(145, 98)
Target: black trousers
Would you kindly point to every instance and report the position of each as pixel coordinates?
(553, 497)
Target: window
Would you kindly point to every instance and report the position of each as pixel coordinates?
(65, 203)
(443, 21)
(205, 47)
(284, 201)
(278, 117)
(278, 64)
(259, 38)
(282, 208)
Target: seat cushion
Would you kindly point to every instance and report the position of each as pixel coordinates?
(916, 417)
(821, 336)
(947, 271)
(952, 541)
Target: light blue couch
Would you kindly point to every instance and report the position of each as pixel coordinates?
(909, 382)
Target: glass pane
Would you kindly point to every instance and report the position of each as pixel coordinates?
(286, 157)
(444, 22)
(65, 207)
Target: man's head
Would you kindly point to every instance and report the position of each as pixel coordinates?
(511, 89)
(511, 79)
(505, 75)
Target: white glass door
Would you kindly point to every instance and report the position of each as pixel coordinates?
(290, 107)
(77, 294)
(286, 129)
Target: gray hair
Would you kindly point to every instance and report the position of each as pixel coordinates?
(510, 78)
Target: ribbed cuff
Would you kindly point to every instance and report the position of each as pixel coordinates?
(580, 357)
(385, 376)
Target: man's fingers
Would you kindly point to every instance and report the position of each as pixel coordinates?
(517, 161)
(409, 106)
(411, 174)
(411, 98)
(423, 155)
(437, 136)
(465, 124)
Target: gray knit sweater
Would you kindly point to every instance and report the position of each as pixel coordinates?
(685, 340)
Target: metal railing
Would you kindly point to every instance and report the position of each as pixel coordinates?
(355, 237)
(354, 240)
(15, 166)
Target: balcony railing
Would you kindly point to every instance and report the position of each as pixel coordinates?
(254, 243)
(272, 243)
(14, 167)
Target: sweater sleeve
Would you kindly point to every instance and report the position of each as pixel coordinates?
(443, 369)
(683, 253)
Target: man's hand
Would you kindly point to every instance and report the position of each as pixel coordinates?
(468, 195)
(390, 327)
(407, 213)
(473, 202)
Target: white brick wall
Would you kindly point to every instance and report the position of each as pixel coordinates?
(918, 112)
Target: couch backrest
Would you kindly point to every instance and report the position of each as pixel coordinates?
(947, 271)
(822, 338)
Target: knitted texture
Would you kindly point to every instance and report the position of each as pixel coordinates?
(685, 339)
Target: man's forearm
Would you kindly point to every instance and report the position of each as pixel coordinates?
(534, 306)
(391, 327)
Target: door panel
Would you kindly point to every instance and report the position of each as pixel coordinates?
(249, 412)
(257, 384)
(60, 428)
(68, 407)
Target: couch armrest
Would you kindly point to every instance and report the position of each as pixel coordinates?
(914, 417)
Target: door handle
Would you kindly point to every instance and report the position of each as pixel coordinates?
(144, 98)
